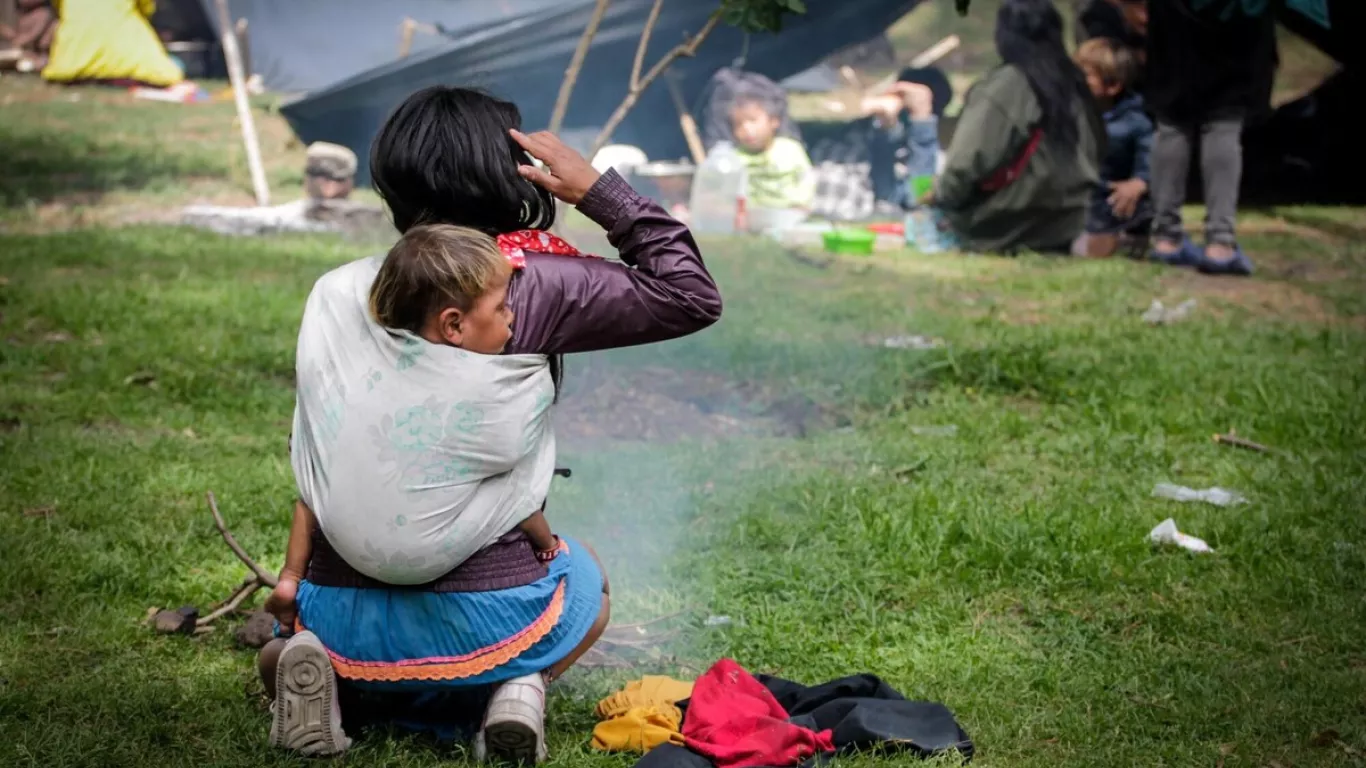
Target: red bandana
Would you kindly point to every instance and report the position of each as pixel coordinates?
(516, 245)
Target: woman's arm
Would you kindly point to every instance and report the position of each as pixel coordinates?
(281, 603)
(661, 291)
(537, 529)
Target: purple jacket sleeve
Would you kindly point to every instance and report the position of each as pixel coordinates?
(564, 304)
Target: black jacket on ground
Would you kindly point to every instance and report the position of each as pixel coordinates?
(863, 713)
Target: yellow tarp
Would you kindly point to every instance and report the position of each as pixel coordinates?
(108, 40)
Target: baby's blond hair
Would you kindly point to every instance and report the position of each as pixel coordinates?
(1111, 61)
(431, 268)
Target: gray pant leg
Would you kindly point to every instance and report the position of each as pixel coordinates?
(1221, 169)
(1171, 162)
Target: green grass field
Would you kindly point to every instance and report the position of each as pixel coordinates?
(1002, 570)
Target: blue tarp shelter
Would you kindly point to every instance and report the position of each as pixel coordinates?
(341, 57)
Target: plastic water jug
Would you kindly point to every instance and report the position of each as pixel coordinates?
(718, 188)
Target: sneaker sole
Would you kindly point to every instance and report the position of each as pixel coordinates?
(512, 734)
(305, 720)
(511, 741)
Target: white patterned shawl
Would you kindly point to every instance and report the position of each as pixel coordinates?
(413, 456)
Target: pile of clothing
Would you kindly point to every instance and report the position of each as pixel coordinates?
(729, 718)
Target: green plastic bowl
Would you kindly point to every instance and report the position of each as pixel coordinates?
(853, 242)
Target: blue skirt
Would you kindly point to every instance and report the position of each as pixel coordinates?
(404, 640)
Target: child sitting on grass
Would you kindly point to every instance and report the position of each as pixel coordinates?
(1120, 211)
(778, 168)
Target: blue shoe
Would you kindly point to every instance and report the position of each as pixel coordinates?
(1189, 255)
(1239, 264)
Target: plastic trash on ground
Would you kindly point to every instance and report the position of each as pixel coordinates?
(912, 342)
(1157, 314)
(1219, 497)
(1166, 533)
(718, 621)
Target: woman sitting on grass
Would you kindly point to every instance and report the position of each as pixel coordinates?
(1026, 152)
(422, 584)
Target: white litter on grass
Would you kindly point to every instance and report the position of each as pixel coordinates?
(947, 430)
(718, 621)
(1160, 315)
(1219, 497)
(912, 342)
(1166, 533)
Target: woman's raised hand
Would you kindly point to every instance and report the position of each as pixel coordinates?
(567, 175)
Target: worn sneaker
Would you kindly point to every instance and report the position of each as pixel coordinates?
(306, 718)
(514, 725)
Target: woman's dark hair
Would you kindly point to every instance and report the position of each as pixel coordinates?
(934, 79)
(1029, 37)
(445, 157)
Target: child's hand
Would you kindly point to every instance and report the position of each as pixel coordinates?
(884, 109)
(919, 99)
(566, 174)
(281, 604)
(1125, 195)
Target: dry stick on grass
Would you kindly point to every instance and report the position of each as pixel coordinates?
(262, 575)
(571, 75)
(1238, 442)
(243, 592)
(639, 644)
(644, 624)
(687, 48)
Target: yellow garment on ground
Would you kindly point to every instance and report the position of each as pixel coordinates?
(641, 716)
(108, 40)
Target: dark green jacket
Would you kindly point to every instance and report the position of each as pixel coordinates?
(1045, 207)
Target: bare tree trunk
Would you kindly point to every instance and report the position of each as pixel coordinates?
(571, 75)
(686, 48)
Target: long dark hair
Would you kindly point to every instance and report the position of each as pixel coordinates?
(445, 157)
(1029, 38)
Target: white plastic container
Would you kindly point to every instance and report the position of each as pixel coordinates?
(717, 189)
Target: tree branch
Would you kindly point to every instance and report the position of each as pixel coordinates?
(644, 43)
(686, 48)
(243, 592)
(262, 574)
(571, 75)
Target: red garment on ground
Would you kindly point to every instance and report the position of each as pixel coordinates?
(734, 720)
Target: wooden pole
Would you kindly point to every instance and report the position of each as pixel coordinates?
(686, 121)
(244, 46)
(410, 28)
(239, 92)
(405, 40)
(929, 56)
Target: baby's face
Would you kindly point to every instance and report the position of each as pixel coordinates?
(487, 327)
(1099, 87)
(754, 127)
